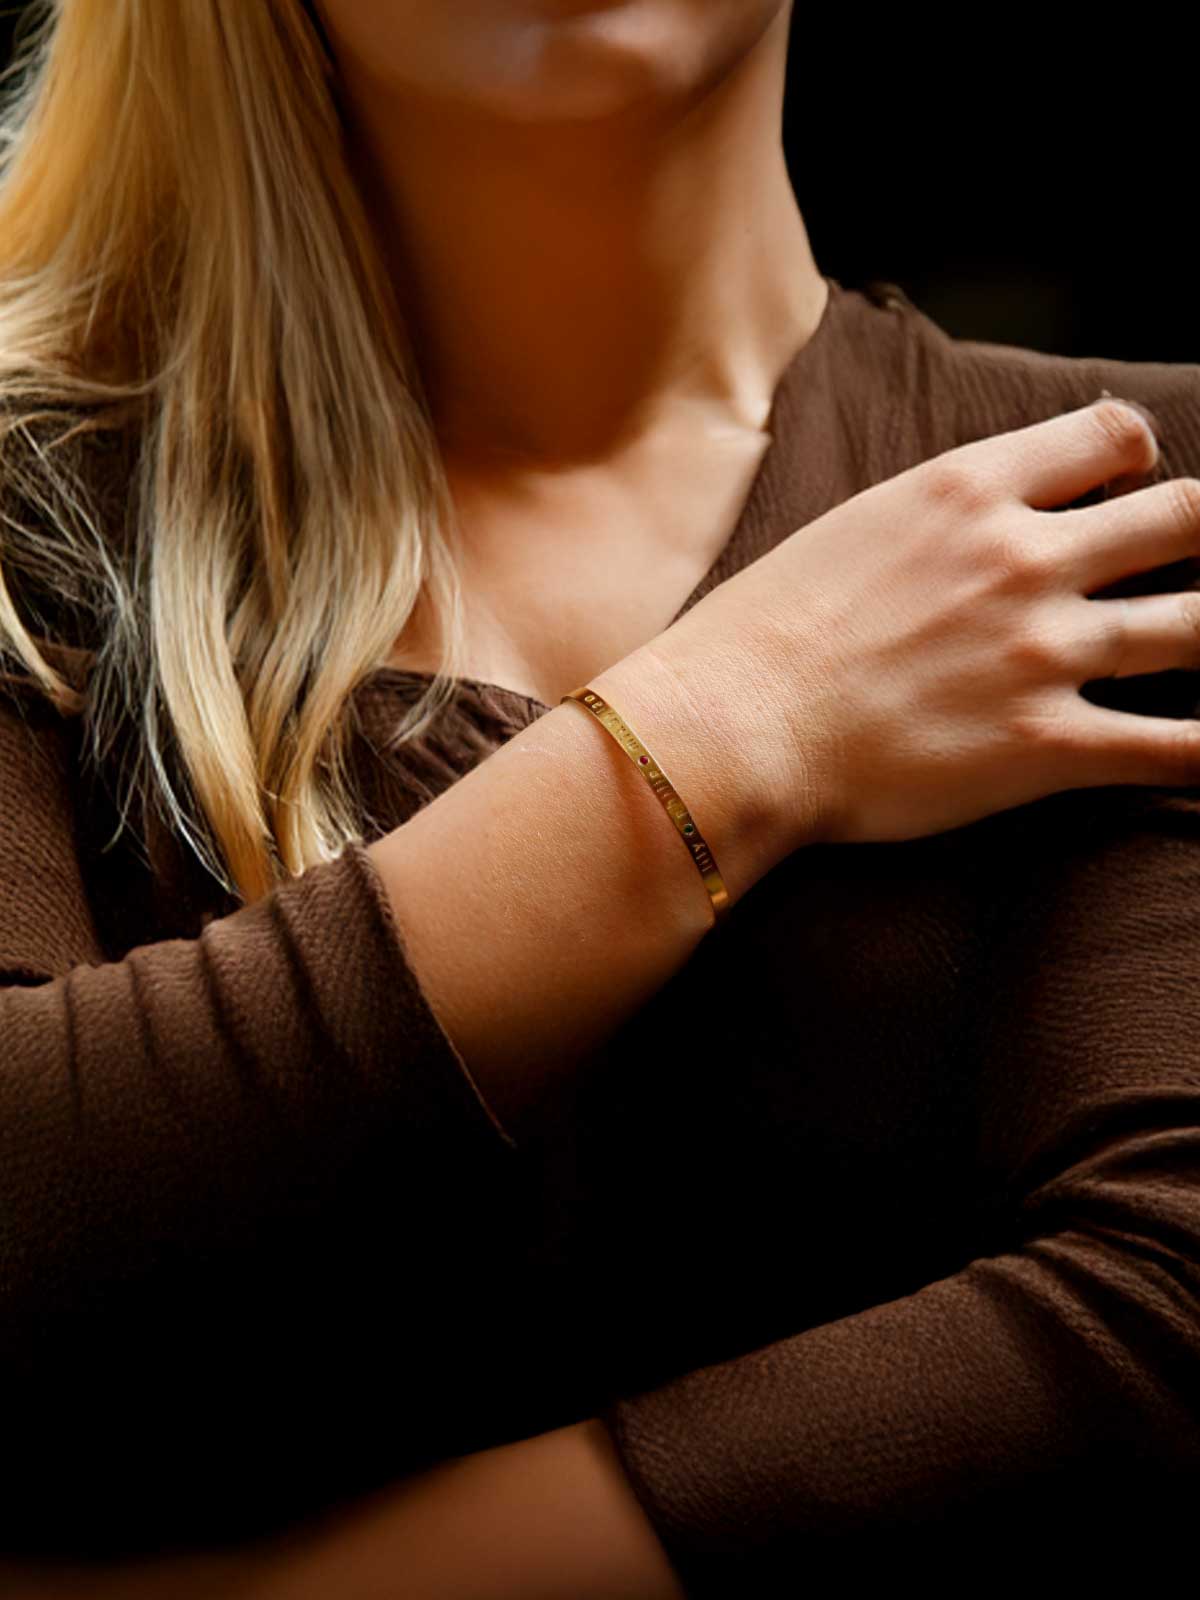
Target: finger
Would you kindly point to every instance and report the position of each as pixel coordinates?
(1137, 532)
(1052, 462)
(1147, 633)
(1126, 747)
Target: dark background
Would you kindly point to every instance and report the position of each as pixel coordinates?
(1023, 180)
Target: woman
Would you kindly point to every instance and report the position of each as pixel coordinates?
(385, 1098)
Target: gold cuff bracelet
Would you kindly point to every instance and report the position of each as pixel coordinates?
(663, 789)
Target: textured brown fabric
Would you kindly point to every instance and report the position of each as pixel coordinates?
(875, 1236)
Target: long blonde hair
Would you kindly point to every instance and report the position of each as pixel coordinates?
(188, 271)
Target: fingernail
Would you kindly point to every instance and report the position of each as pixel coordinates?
(1155, 424)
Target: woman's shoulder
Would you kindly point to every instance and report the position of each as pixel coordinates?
(988, 387)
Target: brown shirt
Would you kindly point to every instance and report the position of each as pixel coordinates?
(875, 1235)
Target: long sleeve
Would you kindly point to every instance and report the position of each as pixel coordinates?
(176, 1100)
(1052, 1386)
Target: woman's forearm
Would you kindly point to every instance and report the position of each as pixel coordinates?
(546, 896)
(548, 1518)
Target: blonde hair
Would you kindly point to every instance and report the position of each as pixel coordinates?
(187, 271)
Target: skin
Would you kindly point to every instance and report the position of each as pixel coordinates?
(587, 213)
(547, 1518)
(588, 217)
(589, 220)
(586, 209)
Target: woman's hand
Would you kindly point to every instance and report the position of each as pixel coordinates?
(911, 660)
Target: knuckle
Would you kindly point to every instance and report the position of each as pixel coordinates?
(1114, 629)
(1121, 426)
(1036, 651)
(1018, 560)
(957, 485)
(1184, 750)
(1189, 607)
(1035, 724)
(1168, 754)
(1185, 502)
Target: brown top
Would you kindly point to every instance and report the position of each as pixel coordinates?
(876, 1233)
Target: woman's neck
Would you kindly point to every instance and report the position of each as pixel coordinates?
(570, 286)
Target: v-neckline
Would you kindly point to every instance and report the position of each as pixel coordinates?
(728, 561)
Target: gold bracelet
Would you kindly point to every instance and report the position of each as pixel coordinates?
(663, 788)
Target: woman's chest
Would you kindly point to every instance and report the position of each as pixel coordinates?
(564, 575)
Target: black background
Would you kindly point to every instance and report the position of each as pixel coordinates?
(1022, 180)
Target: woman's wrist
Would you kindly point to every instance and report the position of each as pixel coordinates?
(728, 766)
(545, 896)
